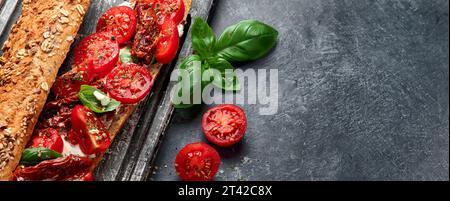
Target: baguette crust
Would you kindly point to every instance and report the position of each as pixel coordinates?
(33, 53)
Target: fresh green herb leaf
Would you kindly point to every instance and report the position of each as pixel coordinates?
(227, 80)
(90, 96)
(246, 41)
(195, 71)
(126, 57)
(188, 62)
(203, 38)
(33, 156)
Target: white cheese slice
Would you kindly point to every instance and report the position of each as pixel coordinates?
(70, 149)
(104, 100)
(180, 30)
(126, 3)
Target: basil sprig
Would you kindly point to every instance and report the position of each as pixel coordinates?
(245, 41)
(227, 80)
(194, 81)
(33, 156)
(87, 97)
(203, 38)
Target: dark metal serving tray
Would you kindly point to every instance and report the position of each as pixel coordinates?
(131, 155)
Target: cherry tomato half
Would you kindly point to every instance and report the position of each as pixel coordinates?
(129, 83)
(168, 43)
(70, 83)
(224, 125)
(197, 162)
(174, 9)
(120, 21)
(91, 133)
(48, 138)
(100, 48)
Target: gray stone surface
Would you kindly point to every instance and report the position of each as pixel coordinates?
(363, 94)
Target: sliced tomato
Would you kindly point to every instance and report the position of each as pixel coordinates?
(48, 138)
(83, 176)
(100, 48)
(120, 21)
(87, 177)
(224, 125)
(168, 43)
(58, 169)
(73, 137)
(89, 130)
(70, 83)
(174, 9)
(197, 162)
(129, 83)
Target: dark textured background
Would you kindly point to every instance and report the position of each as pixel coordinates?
(363, 94)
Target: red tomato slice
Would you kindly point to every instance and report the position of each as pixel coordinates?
(120, 21)
(91, 133)
(73, 137)
(100, 48)
(197, 162)
(83, 176)
(224, 125)
(129, 83)
(48, 138)
(174, 9)
(87, 177)
(70, 83)
(168, 43)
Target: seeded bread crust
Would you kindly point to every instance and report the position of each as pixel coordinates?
(33, 53)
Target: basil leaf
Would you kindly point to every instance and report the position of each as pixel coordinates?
(194, 81)
(33, 156)
(227, 80)
(188, 62)
(246, 41)
(87, 97)
(203, 38)
(126, 57)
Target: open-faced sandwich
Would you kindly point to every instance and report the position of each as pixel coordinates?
(58, 128)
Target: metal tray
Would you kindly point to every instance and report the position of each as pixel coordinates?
(132, 153)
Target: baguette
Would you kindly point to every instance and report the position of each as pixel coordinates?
(115, 121)
(33, 53)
